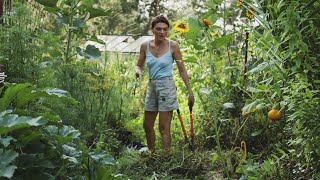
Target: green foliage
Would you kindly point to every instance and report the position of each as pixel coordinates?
(31, 147)
(280, 71)
(182, 164)
(6, 158)
(285, 72)
(19, 47)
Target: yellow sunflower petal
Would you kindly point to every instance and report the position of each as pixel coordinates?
(181, 27)
(207, 22)
(249, 13)
(239, 3)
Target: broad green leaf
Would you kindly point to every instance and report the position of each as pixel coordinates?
(198, 47)
(69, 131)
(252, 178)
(191, 59)
(57, 92)
(228, 105)
(70, 159)
(87, 3)
(46, 164)
(63, 20)
(251, 107)
(193, 23)
(71, 153)
(78, 24)
(215, 157)
(5, 141)
(256, 90)
(260, 67)
(218, 1)
(222, 41)
(11, 94)
(213, 3)
(91, 52)
(205, 91)
(12, 122)
(101, 157)
(53, 10)
(213, 18)
(63, 134)
(61, 94)
(49, 3)
(98, 12)
(256, 133)
(35, 135)
(6, 158)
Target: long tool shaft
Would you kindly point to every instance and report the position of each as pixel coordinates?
(191, 128)
(182, 125)
(191, 123)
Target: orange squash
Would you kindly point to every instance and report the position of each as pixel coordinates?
(274, 114)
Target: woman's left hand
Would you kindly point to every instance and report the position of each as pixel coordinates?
(191, 100)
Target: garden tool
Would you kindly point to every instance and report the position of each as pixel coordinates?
(191, 129)
(182, 125)
(137, 83)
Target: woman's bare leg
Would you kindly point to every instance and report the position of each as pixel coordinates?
(164, 128)
(148, 123)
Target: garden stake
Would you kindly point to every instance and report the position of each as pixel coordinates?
(191, 129)
(182, 126)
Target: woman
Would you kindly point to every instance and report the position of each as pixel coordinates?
(161, 97)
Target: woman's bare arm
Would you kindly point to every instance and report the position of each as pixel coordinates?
(141, 59)
(182, 70)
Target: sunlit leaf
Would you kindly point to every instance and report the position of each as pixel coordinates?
(215, 157)
(49, 3)
(228, 105)
(205, 91)
(91, 52)
(63, 134)
(57, 92)
(218, 43)
(12, 122)
(260, 67)
(5, 141)
(102, 157)
(191, 59)
(6, 158)
(99, 12)
(11, 94)
(256, 133)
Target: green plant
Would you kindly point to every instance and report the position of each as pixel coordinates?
(39, 146)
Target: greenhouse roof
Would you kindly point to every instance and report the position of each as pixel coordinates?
(120, 43)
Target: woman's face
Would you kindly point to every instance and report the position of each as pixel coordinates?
(160, 30)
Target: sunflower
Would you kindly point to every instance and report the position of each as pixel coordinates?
(239, 3)
(249, 13)
(181, 27)
(207, 22)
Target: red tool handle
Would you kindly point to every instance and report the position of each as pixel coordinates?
(182, 125)
(191, 123)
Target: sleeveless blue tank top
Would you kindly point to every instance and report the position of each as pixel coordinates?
(159, 67)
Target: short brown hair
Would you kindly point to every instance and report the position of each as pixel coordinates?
(159, 19)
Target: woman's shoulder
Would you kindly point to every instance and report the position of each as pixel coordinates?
(144, 45)
(174, 44)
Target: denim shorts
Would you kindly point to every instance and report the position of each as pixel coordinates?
(161, 95)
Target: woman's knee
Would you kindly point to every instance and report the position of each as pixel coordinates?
(164, 129)
(148, 126)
